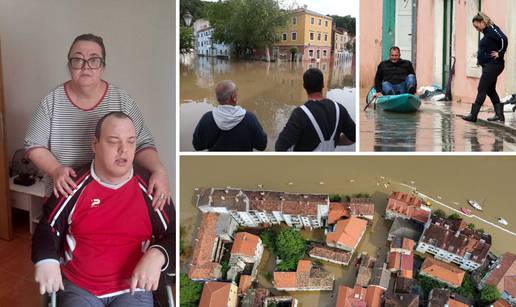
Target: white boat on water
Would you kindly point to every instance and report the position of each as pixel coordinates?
(475, 205)
(502, 221)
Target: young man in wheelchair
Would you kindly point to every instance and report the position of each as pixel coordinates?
(104, 244)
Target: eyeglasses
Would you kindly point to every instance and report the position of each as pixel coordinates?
(79, 63)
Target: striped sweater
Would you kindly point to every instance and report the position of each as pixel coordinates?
(67, 130)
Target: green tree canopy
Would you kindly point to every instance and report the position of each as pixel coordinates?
(290, 246)
(190, 291)
(185, 40)
(438, 213)
(247, 24)
(489, 294)
(347, 23)
(454, 216)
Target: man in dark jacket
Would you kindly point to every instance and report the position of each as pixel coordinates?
(318, 125)
(229, 127)
(395, 75)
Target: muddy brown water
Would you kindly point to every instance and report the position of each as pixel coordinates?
(449, 179)
(269, 90)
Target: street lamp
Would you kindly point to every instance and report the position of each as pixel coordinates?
(188, 18)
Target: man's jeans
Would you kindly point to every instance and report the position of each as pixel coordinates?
(74, 296)
(409, 85)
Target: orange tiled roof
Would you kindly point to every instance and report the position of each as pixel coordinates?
(374, 296)
(305, 277)
(407, 205)
(245, 244)
(347, 232)
(351, 297)
(442, 271)
(501, 303)
(215, 294)
(244, 283)
(361, 206)
(304, 266)
(455, 303)
(337, 212)
(285, 279)
(504, 277)
(202, 265)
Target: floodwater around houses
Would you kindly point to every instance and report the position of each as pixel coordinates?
(269, 90)
(450, 180)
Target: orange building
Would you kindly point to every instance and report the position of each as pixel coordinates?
(443, 272)
(347, 234)
(309, 32)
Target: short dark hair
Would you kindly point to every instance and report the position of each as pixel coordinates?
(90, 38)
(117, 114)
(394, 48)
(313, 80)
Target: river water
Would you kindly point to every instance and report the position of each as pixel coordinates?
(269, 90)
(450, 180)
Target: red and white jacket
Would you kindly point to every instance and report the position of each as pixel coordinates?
(100, 232)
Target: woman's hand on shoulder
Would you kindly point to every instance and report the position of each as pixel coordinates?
(159, 188)
(62, 180)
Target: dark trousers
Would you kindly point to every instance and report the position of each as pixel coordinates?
(487, 84)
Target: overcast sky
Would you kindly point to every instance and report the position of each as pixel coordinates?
(327, 7)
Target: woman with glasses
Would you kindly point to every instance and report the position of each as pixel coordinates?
(61, 131)
(491, 50)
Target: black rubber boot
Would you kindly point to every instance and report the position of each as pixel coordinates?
(472, 117)
(498, 108)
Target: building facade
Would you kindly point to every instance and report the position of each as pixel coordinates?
(206, 46)
(262, 208)
(452, 241)
(310, 33)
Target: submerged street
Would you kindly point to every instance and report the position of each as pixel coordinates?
(435, 127)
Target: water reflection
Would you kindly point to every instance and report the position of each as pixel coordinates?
(434, 128)
(270, 90)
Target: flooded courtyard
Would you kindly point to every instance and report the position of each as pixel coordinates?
(451, 180)
(435, 127)
(269, 90)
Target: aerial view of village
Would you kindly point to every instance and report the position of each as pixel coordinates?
(347, 231)
(263, 48)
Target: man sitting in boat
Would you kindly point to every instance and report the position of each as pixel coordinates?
(319, 124)
(395, 75)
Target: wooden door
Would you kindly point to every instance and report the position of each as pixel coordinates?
(5, 207)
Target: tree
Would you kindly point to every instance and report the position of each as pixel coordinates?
(268, 238)
(489, 294)
(247, 24)
(347, 23)
(185, 40)
(427, 284)
(438, 213)
(190, 291)
(471, 226)
(467, 289)
(454, 216)
(195, 7)
(333, 197)
(290, 247)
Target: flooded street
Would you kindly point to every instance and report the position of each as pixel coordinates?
(435, 127)
(269, 90)
(451, 180)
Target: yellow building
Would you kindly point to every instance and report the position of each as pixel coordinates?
(309, 32)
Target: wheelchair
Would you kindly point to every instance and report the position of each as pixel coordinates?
(163, 296)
